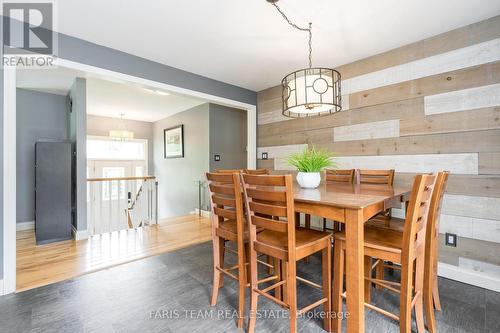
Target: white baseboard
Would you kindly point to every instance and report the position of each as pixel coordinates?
(204, 213)
(2, 292)
(28, 225)
(79, 234)
(468, 276)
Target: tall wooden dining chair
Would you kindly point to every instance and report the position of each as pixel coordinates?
(338, 177)
(378, 177)
(273, 196)
(406, 249)
(256, 171)
(228, 224)
(431, 290)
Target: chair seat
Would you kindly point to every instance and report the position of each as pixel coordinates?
(379, 239)
(304, 238)
(387, 222)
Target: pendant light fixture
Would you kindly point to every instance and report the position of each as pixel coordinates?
(121, 133)
(313, 91)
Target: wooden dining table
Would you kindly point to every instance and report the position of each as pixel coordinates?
(352, 205)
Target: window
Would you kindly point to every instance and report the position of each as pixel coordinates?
(110, 149)
(113, 172)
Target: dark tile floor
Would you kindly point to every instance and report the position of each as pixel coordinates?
(170, 293)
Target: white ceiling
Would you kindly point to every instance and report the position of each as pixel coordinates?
(106, 97)
(54, 80)
(247, 43)
(110, 99)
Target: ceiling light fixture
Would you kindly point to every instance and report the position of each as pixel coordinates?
(313, 91)
(121, 133)
(156, 91)
(162, 93)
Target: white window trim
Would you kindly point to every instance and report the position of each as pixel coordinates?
(107, 138)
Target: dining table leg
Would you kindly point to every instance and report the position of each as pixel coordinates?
(355, 315)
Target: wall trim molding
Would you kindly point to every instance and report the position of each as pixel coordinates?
(9, 180)
(28, 225)
(467, 276)
(204, 213)
(79, 234)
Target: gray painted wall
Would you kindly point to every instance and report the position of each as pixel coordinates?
(78, 137)
(228, 137)
(82, 51)
(39, 116)
(97, 125)
(177, 177)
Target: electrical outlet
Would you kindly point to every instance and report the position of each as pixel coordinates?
(217, 158)
(264, 156)
(450, 239)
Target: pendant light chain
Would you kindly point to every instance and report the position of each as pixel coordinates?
(313, 91)
(298, 28)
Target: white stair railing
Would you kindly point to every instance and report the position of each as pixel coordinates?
(121, 203)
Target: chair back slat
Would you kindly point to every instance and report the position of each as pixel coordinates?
(225, 213)
(265, 223)
(263, 180)
(256, 171)
(231, 171)
(385, 177)
(219, 188)
(222, 177)
(267, 209)
(223, 201)
(267, 196)
(339, 176)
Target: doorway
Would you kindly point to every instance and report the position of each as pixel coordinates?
(9, 155)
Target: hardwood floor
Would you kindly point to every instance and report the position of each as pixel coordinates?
(46, 264)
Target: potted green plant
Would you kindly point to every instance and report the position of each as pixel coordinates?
(309, 163)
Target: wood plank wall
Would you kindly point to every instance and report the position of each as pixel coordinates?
(428, 106)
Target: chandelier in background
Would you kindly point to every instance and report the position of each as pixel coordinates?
(313, 91)
(121, 133)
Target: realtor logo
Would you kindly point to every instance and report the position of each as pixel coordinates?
(28, 33)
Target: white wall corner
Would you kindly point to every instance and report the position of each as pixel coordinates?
(28, 225)
(79, 234)
(1, 288)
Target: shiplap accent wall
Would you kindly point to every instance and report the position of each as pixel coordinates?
(428, 106)
(466, 164)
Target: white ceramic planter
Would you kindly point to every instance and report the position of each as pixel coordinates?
(309, 179)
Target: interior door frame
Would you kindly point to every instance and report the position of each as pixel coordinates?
(8, 284)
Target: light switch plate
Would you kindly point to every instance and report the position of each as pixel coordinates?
(450, 239)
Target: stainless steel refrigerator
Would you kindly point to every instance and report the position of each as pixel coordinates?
(52, 191)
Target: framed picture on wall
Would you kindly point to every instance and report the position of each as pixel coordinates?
(173, 142)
